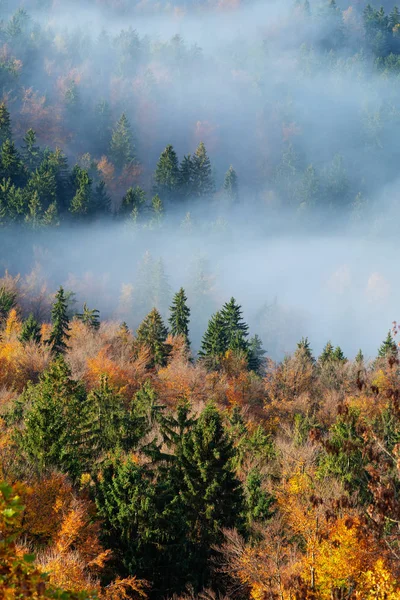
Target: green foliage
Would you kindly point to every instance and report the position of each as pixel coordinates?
(7, 301)
(5, 124)
(256, 354)
(121, 146)
(30, 331)
(180, 315)
(214, 342)
(203, 182)
(90, 317)
(60, 320)
(166, 175)
(388, 348)
(152, 333)
(133, 202)
(231, 186)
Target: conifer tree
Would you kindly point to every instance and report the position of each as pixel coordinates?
(133, 202)
(30, 331)
(388, 347)
(8, 299)
(153, 333)
(338, 355)
(103, 127)
(209, 488)
(90, 317)
(59, 317)
(157, 209)
(34, 215)
(186, 177)
(304, 346)
(121, 147)
(236, 330)
(231, 185)
(81, 202)
(5, 124)
(359, 357)
(179, 316)
(57, 421)
(101, 201)
(256, 354)
(167, 174)
(30, 151)
(11, 164)
(327, 353)
(50, 216)
(203, 183)
(215, 342)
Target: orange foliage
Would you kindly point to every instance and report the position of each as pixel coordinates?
(121, 377)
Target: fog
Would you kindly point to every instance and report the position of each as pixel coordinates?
(253, 80)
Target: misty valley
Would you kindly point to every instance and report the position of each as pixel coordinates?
(199, 352)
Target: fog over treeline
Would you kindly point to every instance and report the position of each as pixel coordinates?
(284, 117)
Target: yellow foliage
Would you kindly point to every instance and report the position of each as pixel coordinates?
(378, 584)
(13, 326)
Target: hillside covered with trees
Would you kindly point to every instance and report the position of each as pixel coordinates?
(159, 439)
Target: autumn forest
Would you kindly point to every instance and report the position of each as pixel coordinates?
(199, 362)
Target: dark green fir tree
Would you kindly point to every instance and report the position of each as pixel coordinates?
(180, 315)
(60, 320)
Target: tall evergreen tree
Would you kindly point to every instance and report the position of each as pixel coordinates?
(215, 342)
(30, 331)
(304, 346)
(31, 153)
(81, 202)
(11, 163)
(327, 353)
(103, 127)
(388, 347)
(121, 147)
(179, 316)
(203, 182)
(186, 177)
(236, 330)
(101, 201)
(133, 202)
(256, 354)
(231, 186)
(5, 124)
(212, 495)
(157, 209)
(59, 317)
(34, 214)
(153, 334)
(167, 174)
(57, 421)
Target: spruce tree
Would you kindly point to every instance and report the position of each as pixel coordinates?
(30, 331)
(256, 354)
(327, 353)
(30, 151)
(203, 183)
(90, 317)
(101, 201)
(103, 127)
(209, 488)
(8, 300)
(167, 174)
(11, 164)
(57, 421)
(5, 124)
(81, 202)
(152, 333)
(231, 185)
(236, 330)
(157, 210)
(338, 355)
(179, 316)
(186, 177)
(388, 348)
(133, 202)
(59, 317)
(215, 342)
(34, 215)
(304, 346)
(121, 147)
(50, 216)
(359, 357)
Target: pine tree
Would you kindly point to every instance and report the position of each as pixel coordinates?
(11, 164)
(236, 330)
(359, 357)
(186, 177)
(179, 316)
(153, 333)
(231, 185)
(31, 153)
(167, 174)
(5, 124)
(203, 183)
(103, 127)
(121, 147)
(327, 353)
(388, 348)
(50, 217)
(215, 342)
(90, 317)
(59, 317)
(8, 300)
(30, 331)
(56, 422)
(256, 354)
